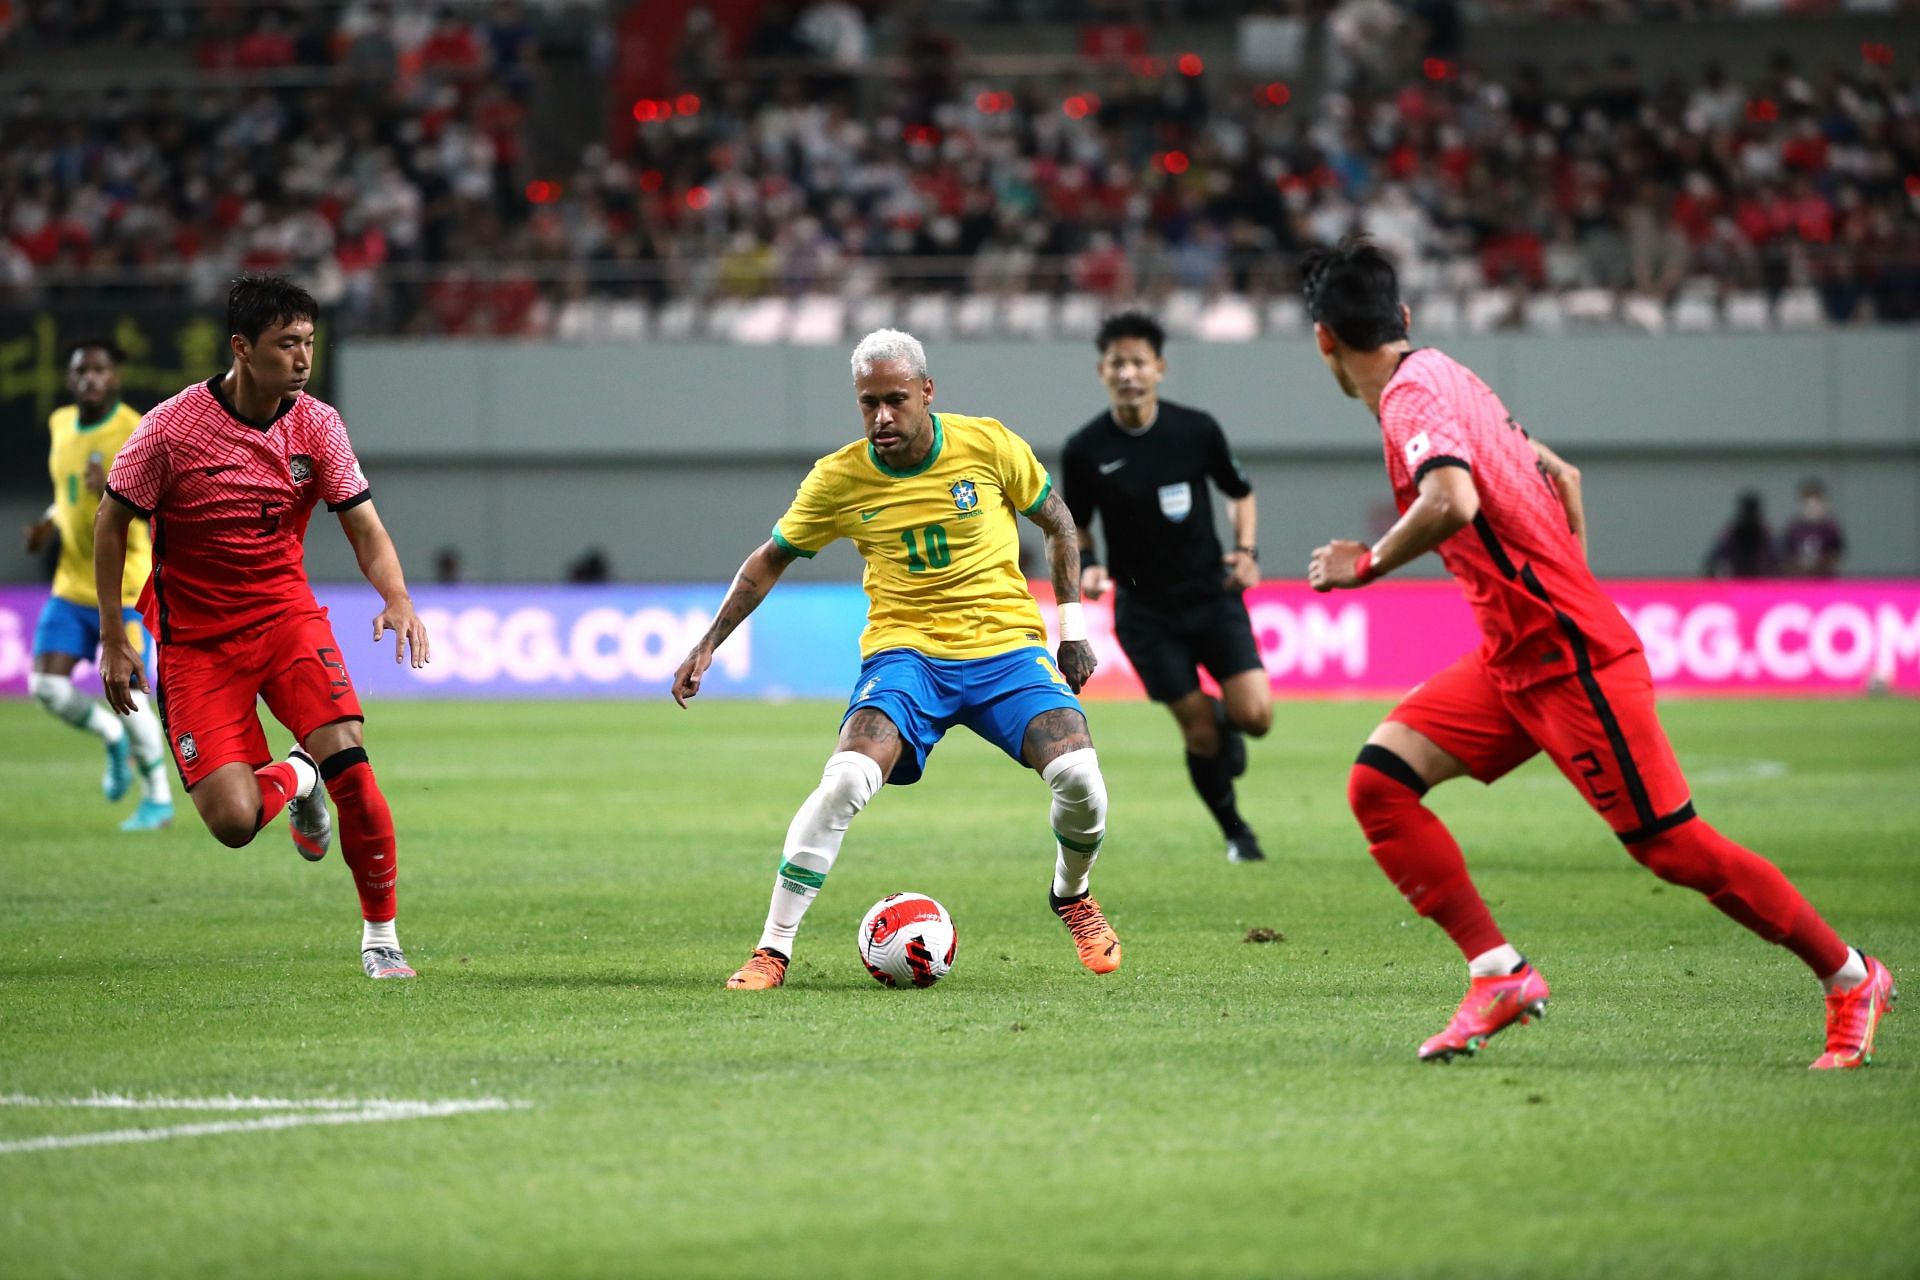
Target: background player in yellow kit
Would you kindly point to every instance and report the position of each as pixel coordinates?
(86, 436)
(953, 636)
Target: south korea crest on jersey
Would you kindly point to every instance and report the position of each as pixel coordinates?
(965, 496)
(301, 467)
(189, 750)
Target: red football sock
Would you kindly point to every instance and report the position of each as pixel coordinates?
(366, 831)
(1419, 854)
(1747, 887)
(278, 784)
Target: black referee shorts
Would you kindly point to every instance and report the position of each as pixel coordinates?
(1167, 644)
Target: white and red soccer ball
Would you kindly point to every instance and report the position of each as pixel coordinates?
(907, 940)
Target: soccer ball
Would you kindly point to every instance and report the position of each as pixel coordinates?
(907, 940)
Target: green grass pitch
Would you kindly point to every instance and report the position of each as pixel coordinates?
(578, 880)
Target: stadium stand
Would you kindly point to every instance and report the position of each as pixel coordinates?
(806, 169)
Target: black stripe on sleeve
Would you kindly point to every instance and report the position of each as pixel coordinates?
(129, 503)
(352, 502)
(1437, 461)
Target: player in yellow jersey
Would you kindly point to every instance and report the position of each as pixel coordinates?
(86, 435)
(953, 636)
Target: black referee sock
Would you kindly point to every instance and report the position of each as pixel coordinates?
(1213, 781)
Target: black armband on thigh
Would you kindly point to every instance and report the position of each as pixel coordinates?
(1377, 757)
(341, 761)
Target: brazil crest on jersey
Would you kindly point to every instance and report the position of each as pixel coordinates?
(942, 550)
(75, 445)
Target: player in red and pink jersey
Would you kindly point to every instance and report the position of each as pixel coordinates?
(229, 471)
(1558, 670)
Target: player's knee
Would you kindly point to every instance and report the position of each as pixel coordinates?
(50, 691)
(849, 782)
(1688, 856)
(1381, 788)
(1076, 779)
(233, 825)
(1254, 721)
(1078, 786)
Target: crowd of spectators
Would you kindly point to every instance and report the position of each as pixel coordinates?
(398, 135)
(403, 190)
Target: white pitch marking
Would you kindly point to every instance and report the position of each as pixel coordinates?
(315, 1112)
(125, 1102)
(1745, 771)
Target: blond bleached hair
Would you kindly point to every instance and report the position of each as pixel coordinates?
(887, 345)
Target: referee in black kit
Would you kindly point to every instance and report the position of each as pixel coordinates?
(1142, 467)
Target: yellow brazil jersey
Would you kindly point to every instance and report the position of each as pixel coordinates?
(942, 549)
(75, 445)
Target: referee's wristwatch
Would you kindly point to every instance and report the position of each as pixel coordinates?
(1251, 553)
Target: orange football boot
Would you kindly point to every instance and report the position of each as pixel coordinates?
(1093, 937)
(764, 970)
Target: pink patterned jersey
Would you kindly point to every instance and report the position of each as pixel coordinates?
(229, 498)
(1541, 613)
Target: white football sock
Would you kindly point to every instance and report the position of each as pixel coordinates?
(60, 698)
(813, 842)
(1079, 818)
(305, 775)
(149, 749)
(378, 935)
(1503, 959)
(1849, 975)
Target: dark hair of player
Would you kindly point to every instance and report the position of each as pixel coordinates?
(1353, 290)
(114, 354)
(256, 303)
(1130, 324)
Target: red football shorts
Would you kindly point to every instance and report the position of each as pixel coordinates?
(207, 692)
(1598, 727)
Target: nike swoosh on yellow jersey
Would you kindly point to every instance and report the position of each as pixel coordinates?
(868, 515)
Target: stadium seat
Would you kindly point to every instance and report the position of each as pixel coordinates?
(819, 320)
(1181, 312)
(1544, 313)
(977, 316)
(1590, 306)
(1228, 318)
(930, 315)
(1488, 310)
(1079, 316)
(1028, 315)
(1437, 313)
(1695, 312)
(874, 311)
(1748, 309)
(1286, 315)
(762, 322)
(1800, 309)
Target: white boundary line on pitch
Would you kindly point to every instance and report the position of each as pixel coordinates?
(293, 1114)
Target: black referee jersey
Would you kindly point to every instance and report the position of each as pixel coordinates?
(1149, 488)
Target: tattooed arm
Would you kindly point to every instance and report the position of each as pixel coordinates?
(1075, 658)
(750, 586)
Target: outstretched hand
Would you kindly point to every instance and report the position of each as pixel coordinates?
(409, 633)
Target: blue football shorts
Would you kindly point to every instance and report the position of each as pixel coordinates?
(71, 628)
(995, 697)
